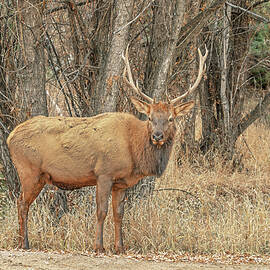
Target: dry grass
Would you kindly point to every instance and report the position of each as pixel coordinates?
(207, 212)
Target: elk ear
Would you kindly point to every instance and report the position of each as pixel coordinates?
(141, 106)
(183, 108)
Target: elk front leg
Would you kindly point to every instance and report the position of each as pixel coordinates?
(23, 208)
(28, 195)
(104, 187)
(118, 199)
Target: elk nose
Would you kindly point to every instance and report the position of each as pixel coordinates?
(157, 136)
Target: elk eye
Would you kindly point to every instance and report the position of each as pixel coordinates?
(171, 119)
(150, 118)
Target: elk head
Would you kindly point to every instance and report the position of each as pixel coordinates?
(161, 115)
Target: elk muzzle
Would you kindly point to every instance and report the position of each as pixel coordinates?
(157, 138)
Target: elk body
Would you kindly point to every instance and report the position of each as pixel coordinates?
(112, 151)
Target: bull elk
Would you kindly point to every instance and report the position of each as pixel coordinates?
(111, 150)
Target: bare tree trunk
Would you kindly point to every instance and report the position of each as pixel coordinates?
(188, 141)
(33, 69)
(107, 90)
(167, 23)
(9, 106)
(10, 172)
(6, 118)
(224, 74)
(160, 81)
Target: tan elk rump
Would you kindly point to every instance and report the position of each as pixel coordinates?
(112, 151)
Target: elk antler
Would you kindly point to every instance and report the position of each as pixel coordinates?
(202, 68)
(130, 81)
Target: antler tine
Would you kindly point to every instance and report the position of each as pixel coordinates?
(202, 68)
(130, 80)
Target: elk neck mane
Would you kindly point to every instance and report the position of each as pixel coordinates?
(149, 159)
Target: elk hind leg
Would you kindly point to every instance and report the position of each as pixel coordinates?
(103, 191)
(118, 200)
(31, 185)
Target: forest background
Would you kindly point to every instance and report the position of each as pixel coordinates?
(64, 58)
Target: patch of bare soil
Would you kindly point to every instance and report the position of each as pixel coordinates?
(37, 260)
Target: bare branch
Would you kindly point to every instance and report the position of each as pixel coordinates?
(133, 20)
(259, 3)
(257, 16)
(194, 27)
(253, 115)
(50, 11)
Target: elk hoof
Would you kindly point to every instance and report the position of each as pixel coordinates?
(120, 250)
(24, 246)
(99, 250)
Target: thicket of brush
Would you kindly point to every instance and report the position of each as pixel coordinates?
(193, 209)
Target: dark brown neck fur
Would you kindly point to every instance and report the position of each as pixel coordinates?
(149, 159)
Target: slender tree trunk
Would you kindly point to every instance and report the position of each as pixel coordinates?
(160, 81)
(10, 172)
(6, 121)
(188, 141)
(33, 62)
(165, 34)
(107, 90)
(224, 75)
(10, 112)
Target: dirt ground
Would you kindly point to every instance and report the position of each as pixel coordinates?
(36, 260)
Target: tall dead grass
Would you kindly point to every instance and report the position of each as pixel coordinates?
(192, 210)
